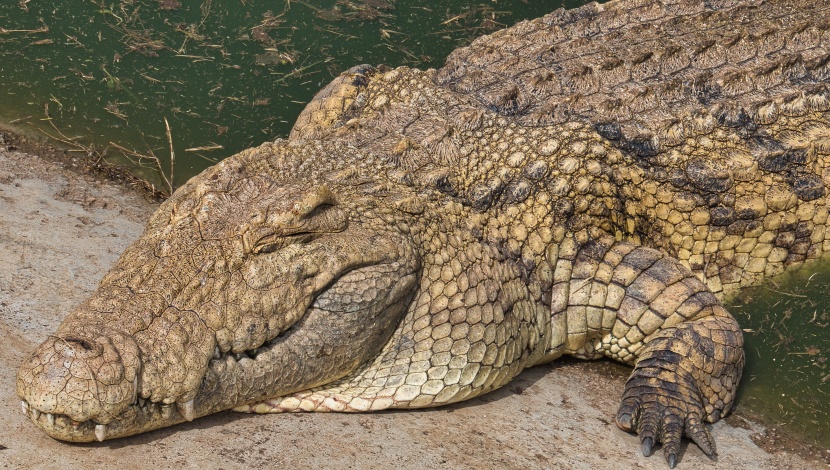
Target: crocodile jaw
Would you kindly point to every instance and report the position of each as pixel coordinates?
(292, 362)
(143, 416)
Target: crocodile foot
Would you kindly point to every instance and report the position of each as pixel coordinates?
(686, 376)
(662, 411)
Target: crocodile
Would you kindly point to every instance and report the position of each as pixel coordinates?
(592, 183)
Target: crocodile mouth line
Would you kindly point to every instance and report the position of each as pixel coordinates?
(144, 408)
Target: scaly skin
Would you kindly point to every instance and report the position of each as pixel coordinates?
(590, 183)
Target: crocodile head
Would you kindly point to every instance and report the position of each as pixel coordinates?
(241, 288)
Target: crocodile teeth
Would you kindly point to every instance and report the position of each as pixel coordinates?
(35, 413)
(50, 418)
(216, 353)
(135, 389)
(25, 406)
(100, 432)
(186, 409)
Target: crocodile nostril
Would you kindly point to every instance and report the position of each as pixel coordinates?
(82, 342)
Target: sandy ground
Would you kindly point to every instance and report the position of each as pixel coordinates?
(60, 231)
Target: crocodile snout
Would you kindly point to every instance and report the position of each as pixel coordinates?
(83, 376)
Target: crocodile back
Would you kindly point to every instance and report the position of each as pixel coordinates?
(643, 70)
(719, 108)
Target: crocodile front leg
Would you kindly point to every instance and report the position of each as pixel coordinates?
(642, 307)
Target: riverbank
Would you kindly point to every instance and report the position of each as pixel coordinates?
(62, 227)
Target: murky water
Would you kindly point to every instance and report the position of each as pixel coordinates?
(225, 74)
(787, 333)
(229, 74)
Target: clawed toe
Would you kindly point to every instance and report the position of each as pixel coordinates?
(661, 419)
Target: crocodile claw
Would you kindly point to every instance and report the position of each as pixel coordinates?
(647, 443)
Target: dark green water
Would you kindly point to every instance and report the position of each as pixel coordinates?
(787, 333)
(226, 74)
(229, 74)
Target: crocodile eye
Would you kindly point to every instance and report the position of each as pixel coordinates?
(269, 248)
(292, 215)
(274, 243)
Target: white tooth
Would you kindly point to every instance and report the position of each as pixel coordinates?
(186, 409)
(216, 353)
(100, 432)
(50, 418)
(166, 411)
(135, 389)
(25, 406)
(35, 413)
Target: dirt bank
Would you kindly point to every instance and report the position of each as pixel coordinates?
(60, 231)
